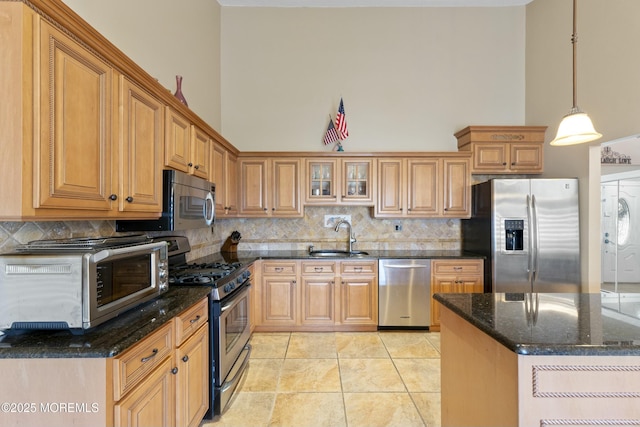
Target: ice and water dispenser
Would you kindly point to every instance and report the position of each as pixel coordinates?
(514, 232)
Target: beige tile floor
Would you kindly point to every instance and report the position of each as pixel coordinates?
(354, 379)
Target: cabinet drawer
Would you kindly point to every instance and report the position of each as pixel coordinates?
(134, 364)
(190, 320)
(318, 267)
(457, 267)
(279, 267)
(350, 267)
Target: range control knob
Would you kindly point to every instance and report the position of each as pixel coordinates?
(227, 288)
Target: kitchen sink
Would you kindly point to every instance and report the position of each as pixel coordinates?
(330, 253)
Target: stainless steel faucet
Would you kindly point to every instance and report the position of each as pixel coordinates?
(352, 237)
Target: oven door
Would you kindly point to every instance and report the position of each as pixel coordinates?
(232, 330)
(231, 350)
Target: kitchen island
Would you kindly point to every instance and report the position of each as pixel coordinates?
(540, 359)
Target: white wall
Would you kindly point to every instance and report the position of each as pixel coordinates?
(166, 38)
(410, 77)
(608, 89)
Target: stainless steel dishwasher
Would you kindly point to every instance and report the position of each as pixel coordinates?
(404, 293)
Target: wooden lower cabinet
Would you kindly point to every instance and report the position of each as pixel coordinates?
(155, 387)
(309, 295)
(151, 404)
(454, 276)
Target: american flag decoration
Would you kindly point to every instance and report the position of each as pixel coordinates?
(341, 122)
(330, 135)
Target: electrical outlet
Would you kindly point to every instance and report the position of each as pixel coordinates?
(397, 227)
(330, 221)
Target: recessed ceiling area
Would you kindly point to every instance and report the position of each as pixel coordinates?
(373, 3)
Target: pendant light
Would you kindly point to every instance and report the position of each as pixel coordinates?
(576, 126)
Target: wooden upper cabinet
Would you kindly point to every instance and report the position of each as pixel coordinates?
(322, 181)
(270, 187)
(357, 183)
(75, 115)
(504, 149)
(140, 167)
(456, 187)
(224, 166)
(424, 187)
(187, 148)
(200, 153)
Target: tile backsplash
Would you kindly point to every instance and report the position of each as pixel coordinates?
(270, 233)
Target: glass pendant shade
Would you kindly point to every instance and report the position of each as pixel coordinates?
(575, 128)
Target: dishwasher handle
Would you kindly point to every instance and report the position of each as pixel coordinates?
(405, 265)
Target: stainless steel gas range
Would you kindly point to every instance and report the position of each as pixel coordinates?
(229, 321)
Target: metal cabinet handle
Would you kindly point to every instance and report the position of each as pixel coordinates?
(504, 164)
(279, 269)
(196, 167)
(357, 269)
(318, 269)
(129, 199)
(174, 371)
(113, 197)
(185, 359)
(293, 282)
(154, 353)
(195, 319)
(189, 164)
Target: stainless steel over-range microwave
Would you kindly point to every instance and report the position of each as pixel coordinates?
(75, 288)
(188, 202)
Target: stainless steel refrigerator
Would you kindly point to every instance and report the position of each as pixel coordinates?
(528, 230)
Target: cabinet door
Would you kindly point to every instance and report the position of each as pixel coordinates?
(318, 300)
(286, 188)
(192, 379)
(424, 187)
(357, 182)
(490, 157)
(440, 284)
(177, 146)
(253, 187)
(456, 188)
(231, 186)
(75, 115)
(152, 403)
(142, 138)
(390, 188)
(321, 181)
(526, 158)
(219, 172)
(200, 153)
(279, 300)
(359, 302)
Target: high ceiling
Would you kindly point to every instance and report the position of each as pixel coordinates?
(373, 3)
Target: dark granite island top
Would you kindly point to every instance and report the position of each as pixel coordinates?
(540, 359)
(554, 324)
(108, 339)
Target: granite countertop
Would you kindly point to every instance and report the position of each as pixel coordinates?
(108, 339)
(249, 256)
(563, 324)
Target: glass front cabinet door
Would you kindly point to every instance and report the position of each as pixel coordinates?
(322, 183)
(357, 184)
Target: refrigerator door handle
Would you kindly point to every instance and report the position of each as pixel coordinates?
(529, 241)
(536, 236)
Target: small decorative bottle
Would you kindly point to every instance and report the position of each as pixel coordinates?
(178, 93)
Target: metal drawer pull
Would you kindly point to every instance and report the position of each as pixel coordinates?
(195, 320)
(154, 353)
(279, 269)
(357, 269)
(318, 269)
